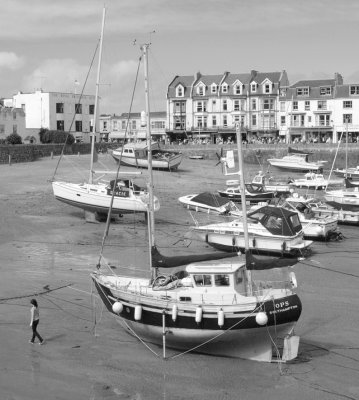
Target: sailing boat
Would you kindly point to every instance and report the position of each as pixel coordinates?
(228, 307)
(97, 197)
(346, 199)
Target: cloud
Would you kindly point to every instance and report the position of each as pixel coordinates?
(10, 60)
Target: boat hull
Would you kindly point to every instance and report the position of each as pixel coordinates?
(295, 166)
(230, 240)
(257, 198)
(341, 200)
(166, 163)
(81, 196)
(240, 336)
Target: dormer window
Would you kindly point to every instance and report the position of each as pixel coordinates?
(214, 88)
(354, 90)
(253, 87)
(303, 91)
(267, 88)
(225, 88)
(237, 89)
(325, 91)
(179, 91)
(201, 90)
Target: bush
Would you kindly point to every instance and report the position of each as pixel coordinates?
(47, 136)
(14, 138)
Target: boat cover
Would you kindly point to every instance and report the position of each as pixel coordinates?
(264, 262)
(160, 261)
(210, 199)
(278, 220)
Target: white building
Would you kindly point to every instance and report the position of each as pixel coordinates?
(67, 112)
(12, 120)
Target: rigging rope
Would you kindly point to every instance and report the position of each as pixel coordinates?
(76, 107)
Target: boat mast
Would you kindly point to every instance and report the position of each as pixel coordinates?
(150, 219)
(346, 149)
(244, 205)
(93, 134)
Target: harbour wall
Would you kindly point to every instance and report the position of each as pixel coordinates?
(252, 153)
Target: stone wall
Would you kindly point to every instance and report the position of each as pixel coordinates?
(253, 154)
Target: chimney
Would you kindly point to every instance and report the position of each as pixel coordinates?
(338, 79)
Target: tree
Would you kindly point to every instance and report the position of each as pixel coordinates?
(47, 136)
(14, 138)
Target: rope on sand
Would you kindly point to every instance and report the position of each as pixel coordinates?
(35, 294)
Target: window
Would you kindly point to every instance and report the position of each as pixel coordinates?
(202, 280)
(325, 91)
(307, 105)
(179, 123)
(322, 104)
(59, 108)
(225, 121)
(179, 107)
(225, 105)
(133, 124)
(115, 125)
(92, 109)
(221, 280)
(253, 87)
(202, 122)
(354, 90)
(254, 104)
(295, 105)
(303, 91)
(201, 106)
(237, 89)
(105, 125)
(214, 88)
(200, 90)
(78, 108)
(347, 104)
(214, 103)
(123, 124)
(282, 106)
(268, 104)
(267, 88)
(214, 120)
(347, 118)
(225, 88)
(23, 106)
(179, 91)
(60, 125)
(158, 124)
(254, 120)
(324, 120)
(14, 129)
(309, 118)
(78, 126)
(236, 105)
(14, 115)
(282, 120)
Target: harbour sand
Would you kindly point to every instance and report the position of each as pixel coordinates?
(48, 250)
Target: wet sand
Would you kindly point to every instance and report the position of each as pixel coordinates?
(45, 244)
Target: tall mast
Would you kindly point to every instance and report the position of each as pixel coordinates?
(93, 134)
(151, 219)
(346, 150)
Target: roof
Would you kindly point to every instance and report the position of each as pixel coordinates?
(225, 266)
(314, 83)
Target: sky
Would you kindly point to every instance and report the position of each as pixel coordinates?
(53, 45)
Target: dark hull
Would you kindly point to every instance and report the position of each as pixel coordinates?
(279, 311)
(344, 207)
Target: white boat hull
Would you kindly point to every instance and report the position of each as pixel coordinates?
(94, 198)
(167, 163)
(295, 166)
(228, 240)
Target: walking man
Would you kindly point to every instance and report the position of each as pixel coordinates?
(35, 319)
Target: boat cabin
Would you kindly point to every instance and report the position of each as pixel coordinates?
(213, 276)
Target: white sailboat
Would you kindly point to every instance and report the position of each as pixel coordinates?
(224, 307)
(123, 195)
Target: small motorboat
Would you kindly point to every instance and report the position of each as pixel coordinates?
(209, 203)
(311, 180)
(271, 230)
(297, 161)
(351, 173)
(254, 192)
(270, 185)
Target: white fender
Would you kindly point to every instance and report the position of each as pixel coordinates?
(138, 312)
(199, 314)
(117, 307)
(220, 318)
(174, 312)
(261, 318)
